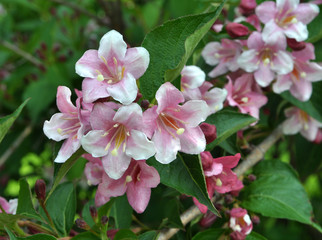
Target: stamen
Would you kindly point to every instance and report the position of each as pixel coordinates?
(60, 131)
(128, 179)
(218, 182)
(244, 99)
(303, 74)
(100, 77)
(114, 152)
(266, 61)
(180, 131)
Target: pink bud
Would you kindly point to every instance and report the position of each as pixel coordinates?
(207, 220)
(236, 30)
(40, 189)
(256, 220)
(209, 131)
(251, 177)
(80, 223)
(248, 5)
(295, 45)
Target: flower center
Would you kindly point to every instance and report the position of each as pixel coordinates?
(304, 118)
(170, 123)
(115, 73)
(118, 138)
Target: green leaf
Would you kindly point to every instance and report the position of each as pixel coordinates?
(121, 212)
(38, 237)
(125, 234)
(210, 234)
(313, 107)
(25, 206)
(170, 46)
(150, 235)
(314, 28)
(64, 168)
(105, 209)
(11, 235)
(227, 123)
(7, 121)
(61, 206)
(185, 174)
(85, 236)
(277, 193)
(86, 214)
(8, 220)
(255, 236)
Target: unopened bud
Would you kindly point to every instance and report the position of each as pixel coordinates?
(145, 104)
(104, 220)
(228, 199)
(40, 189)
(209, 131)
(251, 177)
(256, 220)
(80, 223)
(247, 6)
(138, 97)
(295, 45)
(236, 30)
(93, 212)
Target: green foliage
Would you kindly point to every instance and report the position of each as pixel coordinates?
(169, 55)
(150, 235)
(185, 174)
(125, 234)
(86, 236)
(121, 211)
(7, 121)
(40, 236)
(209, 234)
(255, 236)
(278, 193)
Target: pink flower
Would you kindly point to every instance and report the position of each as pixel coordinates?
(93, 170)
(137, 182)
(192, 77)
(304, 72)
(242, 95)
(265, 59)
(318, 138)
(240, 223)
(112, 70)
(117, 137)
(219, 176)
(224, 55)
(213, 97)
(247, 6)
(236, 30)
(286, 17)
(9, 207)
(174, 127)
(69, 125)
(299, 121)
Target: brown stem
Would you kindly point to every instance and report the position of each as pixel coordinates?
(39, 228)
(255, 156)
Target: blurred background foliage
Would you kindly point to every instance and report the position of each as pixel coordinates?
(40, 42)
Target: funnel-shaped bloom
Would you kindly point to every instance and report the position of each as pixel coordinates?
(112, 70)
(299, 81)
(240, 223)
(286, 17)
(9, 207)
(265, 59)
(69, 125)
(300, 121)
(137, 182)
(175, 127)
(117, 137)
(192, 77)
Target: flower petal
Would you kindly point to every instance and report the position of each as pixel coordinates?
(192, 141)
(282, 63)
(264, 75)
(193, 112)
(136, 61)
(266, 11)
(70, 146)
(130, 116)
(88, 64)
(149, 175)
(209, 53)
(115, 166)
(94, 143)
(63, 101)
(168, 96)
(138, 146)
(302, 90)
(138, 197)
(51, 127)
(93, 90)
(166, 146)
(247, 60)
(192, 77)
(306, 12)
(102, 117)
(298, 31)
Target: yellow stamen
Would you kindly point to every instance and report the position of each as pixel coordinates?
(218, 182)
(180, 131)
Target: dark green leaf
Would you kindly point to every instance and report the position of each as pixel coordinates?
(210, 234)
(277, 193)
(150, 235)
(227, 123)
(85, 236)
(8, 220)
(86, 214)
(61, 206)
(125, 234)
(11, 235)
(64, 168)
(38, 237)
(313, 107)
(229, 145)
(185, 175)
(121, 212)
(25, 206)
(106, 209)
(170, 46)
(7, 121)
(314, 28)
(255, 236)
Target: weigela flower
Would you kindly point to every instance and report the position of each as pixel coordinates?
(299, 121)
(265, 59)
(286, 18)
(69, 125)
(214, 97)
(117, 137)
(112, 70)
(9, 207)
(192, 77)
(241, 94)
(240, 223)
(174, 127)
(219, 176)
(137, 182)
(224, 54)
(298, 81)
(93, 170)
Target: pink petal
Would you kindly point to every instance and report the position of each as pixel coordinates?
(287, 4)
(115, 166)
(264, 75)
(266, 11)
(202, 208)
(136, 61)
(228, 161)
(215, 99)
(247, 60)
(219, 70)
(298, 31)
(193, 112)
(216, 168)
(255, 41)
(4, 204)
(138, 197)
(192, 77)
(149, 175)
(291, 126)
(149, 121)
(302, 90)
(272, 33)
(94, 143)
(208, 53)
(138, 146)
(70, 146)
(102, 117)
(124, 91)
(130, 116)
(283, 83)
(88, 64)
(192, 141)
(112, 46)
(63, 100)
(314, 72)
(306, 54)
(94, 173)
(282, 63)
(93, 90)
(306, 12)
(168, 96)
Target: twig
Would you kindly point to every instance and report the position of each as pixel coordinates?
(255, 156)
(21, 53)
(15, 145)
(79, 9)
(39, 228)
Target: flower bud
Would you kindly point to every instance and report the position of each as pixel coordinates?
(209, 131)
(40, 189)
(93, 212)
(247, 6)
(207, 220)
(256, 220)
(251, 177)
(104, 220)
(80, 223)
(295, 45)
(145, 104)
(236, 30)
